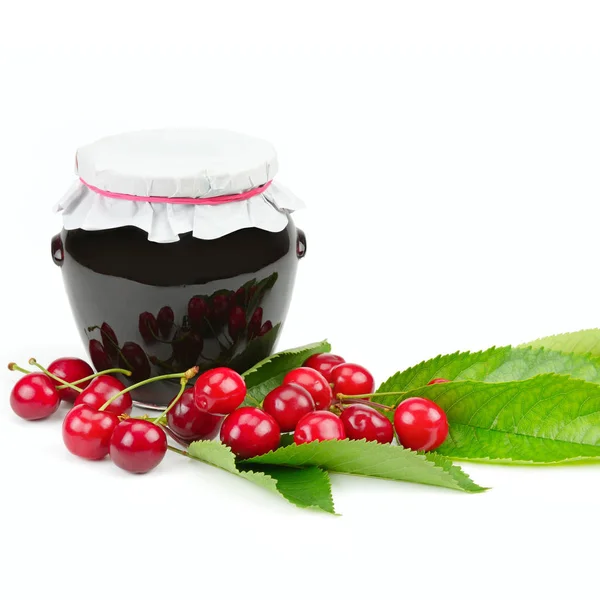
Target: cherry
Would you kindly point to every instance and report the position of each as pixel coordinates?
(165, 320)
(266, 327)
(101, 389)
(87, 431)
(134, 358)
(314, 383)
(420, 424)
(109, 341)
(220, 307)
(100, 358)
(137, 446)
(439, 380)
(362, 422)
(255, 323)
(324, 363)
(287, 404)
(148, 327)
(250, 432)
(190, 423)
(188, 348)
(199, 312)
(219, 391)
(34, 397)
(70, 369)
(239, 297)
(237, 322)
(352, 379)
(319, 426)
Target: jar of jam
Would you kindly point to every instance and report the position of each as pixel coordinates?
(177, 249)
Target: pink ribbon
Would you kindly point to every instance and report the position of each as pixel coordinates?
(214, 200)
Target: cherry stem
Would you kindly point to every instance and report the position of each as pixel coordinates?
(33, 362)
(173, 403)
(344, 399)
(182, 452)
(185, 375)
(94, 375)
(15, 367)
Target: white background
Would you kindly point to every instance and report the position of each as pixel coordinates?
(449, 153)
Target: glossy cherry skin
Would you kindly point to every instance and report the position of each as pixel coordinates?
(220, 307)
(314, 383)
(319, 426)
(439, 380)
(148, 327)
(362, 422)
(237, 322)
(100, 358)
(34, 397)
(420, 424)
(165, 320)
(137, 446)
(287, 404)
(70, 369)
(266, 327)
(352, 379)
(250, 432)
(324, 363)
(190, 423)
(135, 359)
(87, 431)
(109, 341)
(103, 388)
(219, 391)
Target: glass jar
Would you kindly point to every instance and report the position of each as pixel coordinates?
(177, 249)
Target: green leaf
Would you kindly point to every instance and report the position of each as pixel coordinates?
(493, 365)
(371, 459)
(306, 488)
(586, 341)
(269, 373)
(544, 420)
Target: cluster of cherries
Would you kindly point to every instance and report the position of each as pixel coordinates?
(325, 399)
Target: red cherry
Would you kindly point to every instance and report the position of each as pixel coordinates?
(324, 363)
(439, 380)
(70, 369)
(363, 422)
(199, 312)
(219, 391)
(100, 358)
(137, 446)
(86, 431)
(190, 423)
(220, 307)
(187, 349)
(109, 341)
(420, 424)
(135, 359)
(250, 432)
(255, 323)
(101, 389)
(319, 426)
(34, 397)
(148, 327)
(237, 322)
(266, 327)
(314, 383)
(352, 379)
(165, 320)
(287, 404)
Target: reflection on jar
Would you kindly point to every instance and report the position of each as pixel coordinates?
(232, 318)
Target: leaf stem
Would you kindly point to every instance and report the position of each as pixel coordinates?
(33, 362)
(185, 375)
